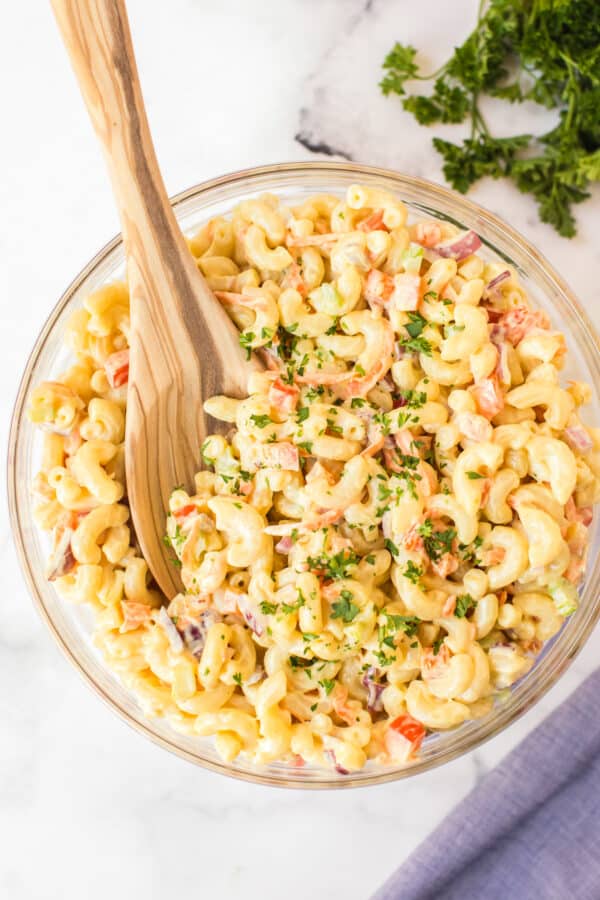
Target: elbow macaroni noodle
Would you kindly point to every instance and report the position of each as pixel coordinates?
(397, 518)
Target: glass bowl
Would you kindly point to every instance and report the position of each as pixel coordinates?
(70, 624)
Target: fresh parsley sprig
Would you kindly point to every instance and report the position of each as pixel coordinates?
(545, 51)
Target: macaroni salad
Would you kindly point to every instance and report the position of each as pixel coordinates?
(387, 529)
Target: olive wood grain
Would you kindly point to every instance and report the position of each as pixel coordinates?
(184, 347)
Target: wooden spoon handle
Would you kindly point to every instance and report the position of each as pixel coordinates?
(97, 36)
(184, 347)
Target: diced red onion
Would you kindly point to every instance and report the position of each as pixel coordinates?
(252, 617)
(578, 438)
(493, 284)
(497, 334)
(168, 626)
(204, 523)
(257, 675)
(374, 689)
(62, 560)
(401, 352)
(194, 633)
(51, 428)
(339, 769)
(431, 254)
(502, 366)
(494, 315)
(282, 529)
(284, 545)
(461, 247)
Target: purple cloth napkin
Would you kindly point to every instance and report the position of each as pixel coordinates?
(530, 830)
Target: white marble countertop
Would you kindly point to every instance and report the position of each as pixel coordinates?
(88, 807)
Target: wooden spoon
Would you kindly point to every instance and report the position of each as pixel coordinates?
(184, 347)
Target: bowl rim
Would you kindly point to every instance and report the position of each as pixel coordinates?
(228, 179)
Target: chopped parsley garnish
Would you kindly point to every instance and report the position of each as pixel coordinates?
(336, 566)
(327, 684)
(303, 413)
(413, 399)
(520, 50)
(473, 476)
(469, 551)
(393, 624)
(288, 608)
(209, 460)
(416, 325)
(246, 338)
(357, 402)
(416, 345)
(238, 678)
(305, 445)
(383, 659)
(261, 421)
(299, 662)
(413, 572)
(407, 624)
(389, 545)
(403, 480)
(464, 603)
(383, 420)
(436, 543)
(313, 393)
(344, 608)
(269, 609)
(436, 646)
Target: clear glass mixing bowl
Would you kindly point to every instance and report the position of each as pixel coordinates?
(70, 625)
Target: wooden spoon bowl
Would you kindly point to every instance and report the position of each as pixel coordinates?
(183, 346)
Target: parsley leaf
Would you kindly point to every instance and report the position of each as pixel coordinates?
(261, 421)
(436, 543)
(337, 566)
(299, 662)
(416, 325)
(267, 608)
(416, 345)
(389, 545)
(246, 338)
(400, 66)
(464, 604)
(344, 608)
(288, 608)
(413, 572)
(327, 684)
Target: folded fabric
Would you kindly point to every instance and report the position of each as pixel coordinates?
(530, 830)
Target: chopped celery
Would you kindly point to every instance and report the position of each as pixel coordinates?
(326, 299)
(565, 597)
(412, 258)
